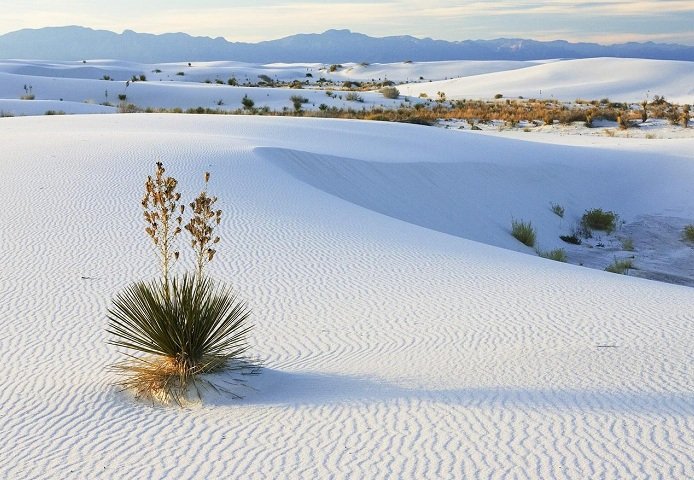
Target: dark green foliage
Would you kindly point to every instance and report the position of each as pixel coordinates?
(194, 322)
(247, 102)
(572, 239)
(597, 219)
(688, 232)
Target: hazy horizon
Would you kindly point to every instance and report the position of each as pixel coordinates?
(616, 21)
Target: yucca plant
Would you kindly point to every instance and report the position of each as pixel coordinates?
(177, 327)
(197, 328)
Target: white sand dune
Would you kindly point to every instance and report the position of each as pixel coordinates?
(74, 83)
(619, 79)
(395, 346)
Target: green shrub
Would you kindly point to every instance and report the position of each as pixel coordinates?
(523, 232)
(191, 327)
(597, 219)
(390, 92)
(688, 232)
(247, 103)
(558, 254)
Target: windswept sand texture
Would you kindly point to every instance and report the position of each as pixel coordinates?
(395, 347)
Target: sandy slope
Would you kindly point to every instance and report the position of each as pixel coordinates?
(393, 350)
(619, 79)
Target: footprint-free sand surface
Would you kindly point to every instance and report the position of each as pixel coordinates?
(404, 332)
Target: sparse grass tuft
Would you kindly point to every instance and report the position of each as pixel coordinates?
(621, 266)
(523, 232)
(557, 209)
(558, 254)
(597, 219)
(628, 244)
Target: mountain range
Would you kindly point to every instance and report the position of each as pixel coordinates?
(332, 46)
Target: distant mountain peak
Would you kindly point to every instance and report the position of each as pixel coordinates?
(331, 46)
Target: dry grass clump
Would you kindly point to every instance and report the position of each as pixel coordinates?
(523, 232)
(557, 209)
(558, 254)
(621, 266)
(177, 327)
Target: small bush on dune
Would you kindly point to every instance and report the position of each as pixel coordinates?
(354, 97)
(179, 327)
(523, 232)
(597, 219)
(390, 92)
(688, 232)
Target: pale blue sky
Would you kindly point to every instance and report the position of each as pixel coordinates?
(608, 21)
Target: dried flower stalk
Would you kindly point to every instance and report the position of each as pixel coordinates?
(163, 216)
(201, 226)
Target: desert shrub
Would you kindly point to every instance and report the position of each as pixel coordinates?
(572, 239)
(247, 102)
(558, 254)
(621, 266)
(296, 84)
(122, 97)
(232, 82)
(390, 92)
(179, 327)
(597, 219)
(298, 101)
(557, 209)
(354, 97)
(54, 112)
(498, 96)
(628, 244)
(128, 108)
(106, 77)
(523, 232)
(688, 232)
(334, 67)
(180, 74)
(266, 79)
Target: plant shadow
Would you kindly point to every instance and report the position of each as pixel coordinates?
(272, 387)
